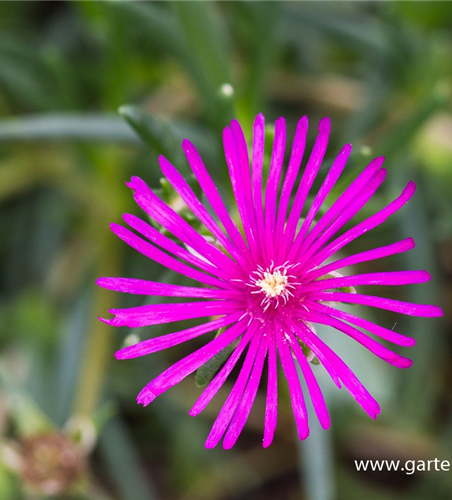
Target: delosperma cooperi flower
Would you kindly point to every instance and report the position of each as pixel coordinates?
(267, 286)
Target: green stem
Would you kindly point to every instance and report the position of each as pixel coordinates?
(99, 342)
(98, 348)
(315, 458)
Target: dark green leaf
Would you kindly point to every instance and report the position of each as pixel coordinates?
(85, 126)
(206, 56)
(207, 371)
(156, 133)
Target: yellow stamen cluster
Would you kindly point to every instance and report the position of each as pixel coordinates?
(273, 284)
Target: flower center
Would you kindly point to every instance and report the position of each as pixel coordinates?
(272, 285)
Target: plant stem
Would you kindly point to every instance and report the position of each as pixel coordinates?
(316, 469)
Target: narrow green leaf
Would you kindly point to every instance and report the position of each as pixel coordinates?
(123, 465)
(69, 360)
(344, 289)
(206, 56)
(156, 133)
(28, 418)
(194, 35)
(91, 127)
(203, 33)
(429, 357)
(172, 197)
(153, 22)
(316, 461)
(400, 135)
(361, 31)
(310, 356)
(206, 372)
(261, 47)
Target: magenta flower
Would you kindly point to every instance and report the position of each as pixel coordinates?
(267, 287)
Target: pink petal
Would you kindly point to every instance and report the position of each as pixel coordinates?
(368, 255)
(326, 362)
(309, 175)
(187, 194)
(326, 355)
(227, 411)
(257, 166)
(271, 407)
(318, 401)
(166, 341)
(164, 242)
(244, 181)
(242, 413)
(344, 200)
(346, 215)
(271, 191)
(380, 331)
(391, 278)
(217, 382)
(211, 192)
(155, 314)
(296, 394)
(174, 223)
(363, 227)
(143, 287)
(174, 374)
(236, 167)
(330, 181)
(408, 308)
(296, 157)
(381, 351)
(162, 258)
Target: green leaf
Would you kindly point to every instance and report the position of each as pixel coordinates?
(171, 196)
(123, 464)
(49, 126)
(156, 133)
(203, 32)
(359, 30)
(261, 45)
(206, 372)
(344, 289)
(403, 132)
(206, 55)
(70, 352)
(268, 147)
(22, 75)
(151, 21)
(359, 158)
(308, 353)
(194, 35)
(28, 418)
(99, 127)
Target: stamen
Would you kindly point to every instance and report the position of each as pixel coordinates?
(274, 283)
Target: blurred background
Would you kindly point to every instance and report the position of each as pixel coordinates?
(90, 94)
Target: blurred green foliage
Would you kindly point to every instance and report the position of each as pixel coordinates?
(90, 94)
